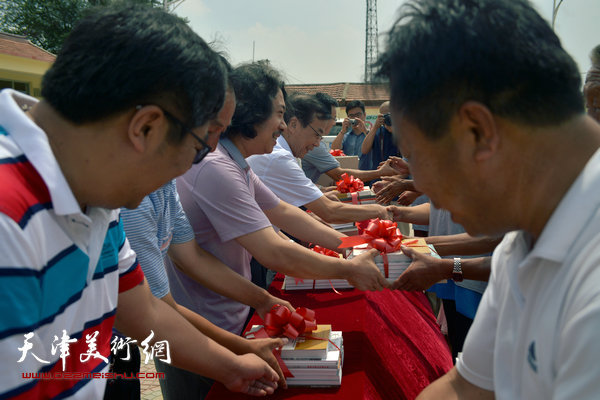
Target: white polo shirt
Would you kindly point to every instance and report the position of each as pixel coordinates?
(536, 333)
(280, 172)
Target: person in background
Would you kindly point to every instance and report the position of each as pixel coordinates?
(591, 88)
(125, 109)
(319, 161)
(353, 130)
(379, 144)
(482, 146)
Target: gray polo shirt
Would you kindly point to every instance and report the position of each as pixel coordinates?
(318, 161)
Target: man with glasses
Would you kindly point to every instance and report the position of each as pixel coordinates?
(232, 212)
(306, 123)
(353, 130)
(67, 164)
(319, 161)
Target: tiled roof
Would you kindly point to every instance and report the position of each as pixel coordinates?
(369, 93)
(16, 45)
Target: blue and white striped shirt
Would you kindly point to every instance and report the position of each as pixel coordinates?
(151, 228)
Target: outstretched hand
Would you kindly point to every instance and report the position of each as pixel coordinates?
(365, 274)
(253, 376)
(423, 272)
(264, 349)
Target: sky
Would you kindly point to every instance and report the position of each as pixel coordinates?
(323, 41)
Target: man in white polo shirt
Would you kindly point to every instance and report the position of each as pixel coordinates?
(306, 121)
(495, 132)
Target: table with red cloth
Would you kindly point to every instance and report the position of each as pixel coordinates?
(393, 346)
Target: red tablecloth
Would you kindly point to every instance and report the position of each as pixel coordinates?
(393, 347)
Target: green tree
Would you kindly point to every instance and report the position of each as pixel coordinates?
(48, 22)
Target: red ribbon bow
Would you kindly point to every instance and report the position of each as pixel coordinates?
(379, 234)
(349, 184)
(336, 152)
(281, 321)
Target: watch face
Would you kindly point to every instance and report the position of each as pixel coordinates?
(457, 276)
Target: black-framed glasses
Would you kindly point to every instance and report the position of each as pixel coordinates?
(200, 154)
(319, 136)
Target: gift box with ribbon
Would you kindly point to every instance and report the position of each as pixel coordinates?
(353, 190)
(314, 353)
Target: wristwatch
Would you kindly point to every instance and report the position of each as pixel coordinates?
(457, 275)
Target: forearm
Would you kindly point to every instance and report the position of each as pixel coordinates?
(337, 212)
(139, 313)
(300, 225)
(463, 244)
(367, 175)
(235, 343)
(338, 141)
(211, 273)
(452, 386)
(298, 261)
(367, 143)
(477, 269)
(418, 215)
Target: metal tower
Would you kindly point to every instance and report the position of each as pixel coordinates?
(371, 42)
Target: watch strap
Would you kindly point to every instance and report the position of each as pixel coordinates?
(457, 274)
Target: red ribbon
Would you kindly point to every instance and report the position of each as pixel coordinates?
(336, 152)
(325, 251)
(379, 234)
(330, 253)
(349, 184)
(281, 321)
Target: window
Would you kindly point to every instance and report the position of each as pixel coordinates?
(19, 86)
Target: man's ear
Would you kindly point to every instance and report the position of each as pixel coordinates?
(147, 124)
(293, 124)
(480, 123)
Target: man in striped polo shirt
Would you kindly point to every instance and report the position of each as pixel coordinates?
(108, 132)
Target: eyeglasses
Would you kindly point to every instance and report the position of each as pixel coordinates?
(200, 154)
(319, 136)
(355, 115)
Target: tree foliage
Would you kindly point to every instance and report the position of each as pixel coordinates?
(48, 22)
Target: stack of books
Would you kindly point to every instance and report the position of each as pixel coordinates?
(313, 362)
(348, 228)
(397, 261)
(365, 196)
(397, 264)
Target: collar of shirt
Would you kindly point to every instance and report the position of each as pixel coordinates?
(284, 144)
(234, 153)
(571, 215)
(34, 143)
(281, 142)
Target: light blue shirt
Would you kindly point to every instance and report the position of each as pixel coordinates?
(352, 143)
(151, 228)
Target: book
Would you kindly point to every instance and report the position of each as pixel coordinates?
(305, 348)
(398, 262)
(332, 361)
(323, 381)
(365, 196)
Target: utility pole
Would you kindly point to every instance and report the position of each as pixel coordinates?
(371, 42)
